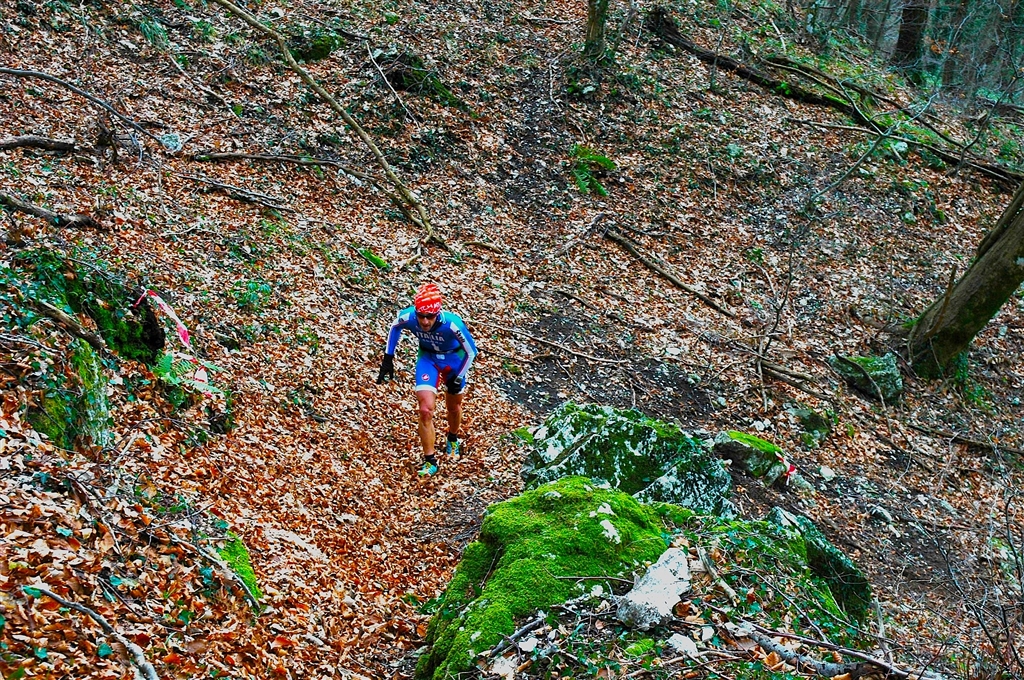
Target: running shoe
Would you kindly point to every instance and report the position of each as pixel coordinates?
(453, 448)
(429, 468)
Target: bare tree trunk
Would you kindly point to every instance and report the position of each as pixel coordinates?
(911, 38)
(951, 322)
(879, 19)
(597, 17)
(951, 60)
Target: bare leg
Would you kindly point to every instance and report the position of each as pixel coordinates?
(426, 400)
(453, 406)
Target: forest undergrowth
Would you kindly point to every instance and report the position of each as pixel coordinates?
(198, 474)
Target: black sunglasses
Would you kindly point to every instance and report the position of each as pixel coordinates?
(421, 315)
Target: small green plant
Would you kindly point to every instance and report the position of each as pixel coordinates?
(252, 296)
(588, 165)
(755, 255)
(154, 32)
(185, 377)
(205, 30)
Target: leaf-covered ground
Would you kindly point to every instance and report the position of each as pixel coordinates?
(318, 474)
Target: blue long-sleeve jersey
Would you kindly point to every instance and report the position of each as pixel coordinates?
(448, 334)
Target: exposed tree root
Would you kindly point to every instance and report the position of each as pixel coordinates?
(17, 205)
(663, 271)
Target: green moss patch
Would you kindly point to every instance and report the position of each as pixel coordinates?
(73, 408)
(760, 458)
(407, 71)
(649, 458)
(237, 557)
(534, 551)
(844, 578)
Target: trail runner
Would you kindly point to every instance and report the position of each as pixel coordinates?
(445, 355)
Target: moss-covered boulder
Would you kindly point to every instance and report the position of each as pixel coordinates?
(314, 44)
(816, 426)
(131, 330)
(752, 454)
(779, 567)
(648, 458)
(877, 377)
(73, 409)
(845, 579)
(532, 553)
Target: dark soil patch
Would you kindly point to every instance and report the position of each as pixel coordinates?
(554, 376)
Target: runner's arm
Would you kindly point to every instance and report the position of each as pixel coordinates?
(396, 330)
(460, 331)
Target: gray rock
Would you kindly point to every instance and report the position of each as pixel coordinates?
(652, 599)
(648, 458)
(873, 376)
(845, 579)
(752, 454)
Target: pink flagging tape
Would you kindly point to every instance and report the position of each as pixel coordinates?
(201, 375)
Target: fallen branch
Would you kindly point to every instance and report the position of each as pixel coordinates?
(709, 566)
(549, 343)
(801, 661)
(779, 368)
(485, 245)
(281, 158)
(511, 639)
(69, 323)
(891, 670)
(137, 654)
(242, 194)
(793, 382)
(409, 200)
(36, 142)
(663, 271)
(82, 93)
(78, 221)
(664, 26)
(973, 443)
(76, 329)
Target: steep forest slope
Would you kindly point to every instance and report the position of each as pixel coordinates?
(548, 183)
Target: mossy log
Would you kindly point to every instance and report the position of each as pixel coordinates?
(661, 24)
(949, 325)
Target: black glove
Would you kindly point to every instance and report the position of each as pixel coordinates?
(453, 384)
(387, 368)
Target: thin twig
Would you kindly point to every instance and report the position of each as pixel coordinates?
(137, 654)
(241, 193)
(663, 270)
(709, 566)
(412, 116)
(549, 343)
(20, 73)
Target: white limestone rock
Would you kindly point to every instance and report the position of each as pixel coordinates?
(652, 599)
